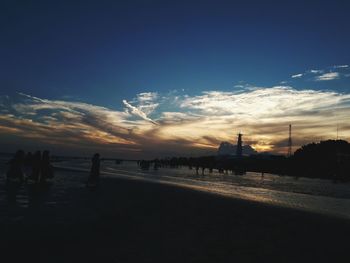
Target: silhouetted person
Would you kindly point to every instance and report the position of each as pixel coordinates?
(36, 167)
(156, 164)
(94, 177)
(145, 165)
(28, 159)
(27, 164)
(197, 168)
(16, 166)
(46, 167)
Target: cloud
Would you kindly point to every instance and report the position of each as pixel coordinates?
(182, 126)
(316, 71)
(341, 66)
(177, 117)
(328, 76)
(322, 76)
(53, 120)
(262, 103)
(264, 114)
(147, 96)
(297, 76)
(146, 103)
(137, 112)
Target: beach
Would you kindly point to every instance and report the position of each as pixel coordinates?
(139, 221)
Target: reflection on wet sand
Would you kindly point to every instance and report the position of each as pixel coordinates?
(303, 194)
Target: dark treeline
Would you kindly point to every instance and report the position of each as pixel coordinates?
(327, 159)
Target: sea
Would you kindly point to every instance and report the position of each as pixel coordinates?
(320, 196)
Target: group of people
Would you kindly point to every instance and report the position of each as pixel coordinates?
(37, 168)
(34, 167)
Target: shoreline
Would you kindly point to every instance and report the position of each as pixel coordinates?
(264, 195)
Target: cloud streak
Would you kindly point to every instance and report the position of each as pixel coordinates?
(316, 71)
(328, 76)
(138, 112)
(341, 66)
(297, 76)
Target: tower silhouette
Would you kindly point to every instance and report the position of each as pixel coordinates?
(290, 141)
(239, 149)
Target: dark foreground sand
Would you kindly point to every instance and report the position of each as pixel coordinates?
(132, 221)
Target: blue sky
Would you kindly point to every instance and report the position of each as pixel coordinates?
(105, 52)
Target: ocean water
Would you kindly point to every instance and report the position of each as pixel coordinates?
(313, 195)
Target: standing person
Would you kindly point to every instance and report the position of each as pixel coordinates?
(16, 167)
(36, 167)
(27, 169)
(94, 177)
(46, 167)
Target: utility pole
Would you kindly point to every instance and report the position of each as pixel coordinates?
(337, 131)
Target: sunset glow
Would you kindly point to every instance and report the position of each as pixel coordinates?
(200, 122)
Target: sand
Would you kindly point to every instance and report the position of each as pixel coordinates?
(134, 221)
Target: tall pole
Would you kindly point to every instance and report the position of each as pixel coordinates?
(337, 131)
(290, 141)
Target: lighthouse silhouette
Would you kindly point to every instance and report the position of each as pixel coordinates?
(239, 149)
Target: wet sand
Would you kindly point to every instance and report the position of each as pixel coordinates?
(134, 221)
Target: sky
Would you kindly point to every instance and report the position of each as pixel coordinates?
(142, 79)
